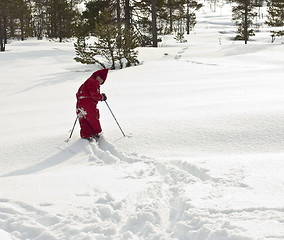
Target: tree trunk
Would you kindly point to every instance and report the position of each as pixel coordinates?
(118, 11)
(4, 30)
(2, 43)
(127, 14)
(171, 19)
(187, 17)
(154, 23)
(22, 28)
(60, 23)
(246, 21)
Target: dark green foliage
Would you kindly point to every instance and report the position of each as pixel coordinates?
(243, 14)
(20, 19)
(39, 21)
(87, 53)
(180, 37)
(128, 45)
(4, 13)
(275, 34)
(93, 13)
(60, 16)
(191, 8)
(172, 16)
(112, 44)
(275, 17)
(174, 12)
(14, 20)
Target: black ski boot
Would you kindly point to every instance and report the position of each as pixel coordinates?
(96, 137)
(90, 139)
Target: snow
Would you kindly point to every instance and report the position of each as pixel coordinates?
(203, 155)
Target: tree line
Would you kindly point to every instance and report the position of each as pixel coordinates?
(244, 14)
(36, 18)
(111, 30)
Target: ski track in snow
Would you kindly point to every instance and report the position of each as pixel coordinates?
(162, 210)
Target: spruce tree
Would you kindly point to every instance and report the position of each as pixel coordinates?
(243, 14)
(14, 19)
(60, 16)
(86, 53)
(129, 44)
(191, 7)
(22, 16)
(154, 23)
(174, 11)
(39, 18)
(93, 13)
(275, 17)
(111, 45)
(4, 12)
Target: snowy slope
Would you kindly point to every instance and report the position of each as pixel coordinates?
(203, 155)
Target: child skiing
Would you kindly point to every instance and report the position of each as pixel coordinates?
(88, 96)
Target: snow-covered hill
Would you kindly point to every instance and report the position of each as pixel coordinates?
(203, 155)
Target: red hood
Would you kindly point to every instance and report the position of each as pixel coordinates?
(101, 73)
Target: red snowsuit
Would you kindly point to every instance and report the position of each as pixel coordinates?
(88, 96)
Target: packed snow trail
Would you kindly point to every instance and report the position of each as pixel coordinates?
(151, 199)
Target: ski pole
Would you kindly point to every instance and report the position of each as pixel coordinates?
(72, 129)
(114, 118)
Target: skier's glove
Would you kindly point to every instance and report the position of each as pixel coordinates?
(104, 97)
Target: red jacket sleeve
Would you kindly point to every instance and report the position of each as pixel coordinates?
(94, 90)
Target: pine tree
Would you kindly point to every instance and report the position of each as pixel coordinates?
(127, 14)
(129, 44)
(39, 18)
(93, 13)
(142, 21)
(275, 17)
(106, 39)
(22, 16)
(154, 23)
(243, 15)
(180, 37)
(4, 12)
(14, 19)
(112, 44)
(87, 53)
(60, 16)
(191, 7)
(174, 10)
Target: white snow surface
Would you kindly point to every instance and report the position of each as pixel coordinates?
(203, 156)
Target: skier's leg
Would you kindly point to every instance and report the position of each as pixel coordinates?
(89, 116)
(93, 119)
(86, 130)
